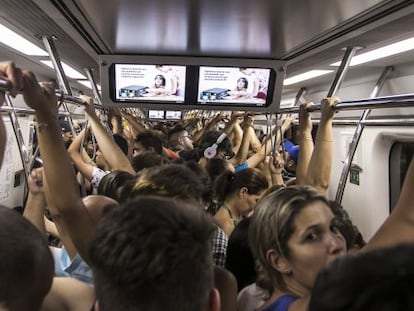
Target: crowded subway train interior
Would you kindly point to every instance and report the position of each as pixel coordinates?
(172, 61)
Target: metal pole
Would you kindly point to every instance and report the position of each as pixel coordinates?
(63, 80)
(357, 135)
(3, 85)
(24, 153)
(342, 69)
(98, 98)
(95, 91)
(57, 65)
(377, 122)
(405, 100)
(302, 91)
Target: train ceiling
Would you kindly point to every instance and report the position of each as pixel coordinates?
(303, 33)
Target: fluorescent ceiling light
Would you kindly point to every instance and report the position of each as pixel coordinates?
(286, 103)
(385, 51)
(69, 71)
(88, 84)
(17, 42)
(306, 76)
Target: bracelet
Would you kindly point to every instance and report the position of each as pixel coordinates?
(325, 140)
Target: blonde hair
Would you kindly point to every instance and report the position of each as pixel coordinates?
(273, 224)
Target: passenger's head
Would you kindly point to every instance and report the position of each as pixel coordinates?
(173, 181)
(95, 204)
(379, 280)
(26, 267)
(245, 187)
(294, 235)
(146, 160)
(179, 139)
(116, 185)
(348, 230)
(152, 254)
(239, 257)
(215, 167)
(224, 148)
(292, 155)
(242, 84)
(159, 81)
(65, 130)
(145, 142)
(121, 142)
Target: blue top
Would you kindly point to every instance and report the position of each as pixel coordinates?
(76, 268)
(282, 303)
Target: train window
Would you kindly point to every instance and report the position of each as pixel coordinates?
(400, 157)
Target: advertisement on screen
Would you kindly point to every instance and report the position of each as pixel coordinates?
(233, 85)
(143, 83)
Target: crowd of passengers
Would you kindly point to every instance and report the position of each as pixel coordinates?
(198, 214)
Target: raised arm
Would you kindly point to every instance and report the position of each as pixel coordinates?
(267, 146)
(116, 120)
(13, 75)
(276, 165)
(237, 134)
(77, 156)
(134, 125)
(34, 209)
(305, 144)
(319, 171)
(112, 153)
(63, 197)
(399, 226)
(206, 125)
(241, 155)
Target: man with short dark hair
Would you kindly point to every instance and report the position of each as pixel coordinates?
(26, 269)
(66, 130)
(154, 254)
(145, 142)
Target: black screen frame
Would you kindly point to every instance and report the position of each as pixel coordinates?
(272, 104)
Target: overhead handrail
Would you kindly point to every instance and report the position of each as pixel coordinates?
(404, 100)
(60, 96)
(357, 135)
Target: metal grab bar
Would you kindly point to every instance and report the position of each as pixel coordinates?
(60, 96)
(405, 100)
(29, 111)
(357, 135)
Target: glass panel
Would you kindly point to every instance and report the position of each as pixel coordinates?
(400, 157)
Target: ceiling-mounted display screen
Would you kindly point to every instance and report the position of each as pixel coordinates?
(156, 114)
(238, 86)
(173, 115)
(177, 83)
(148, 83)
